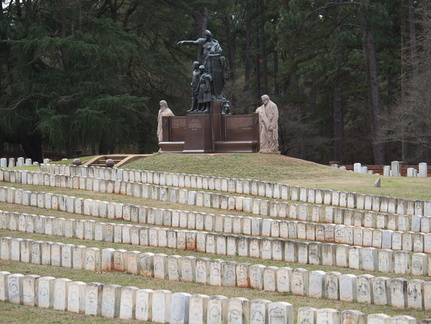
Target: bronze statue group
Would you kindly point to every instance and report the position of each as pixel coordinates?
(208, 73)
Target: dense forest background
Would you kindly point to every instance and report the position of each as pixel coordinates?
(351, 79)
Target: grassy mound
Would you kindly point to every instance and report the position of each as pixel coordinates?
(283, 169)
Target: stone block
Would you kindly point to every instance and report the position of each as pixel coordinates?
(259, 311)
(385, 260)
(92, 259)
(143, 304)
(256, 276)
(161, 306)
(76, 296)
(238, 310)
(228, 270)
(328, 254)
(380, 290)
(403, 319)
(132, 262)
(242, 275)
(290, 251)
(332, 289)
(210, 243)
(15, 249)
(280, 312)
(278, 249)
(419, 264)
(202, 270)
(379, 319)
(188, 269)
(401, 262)
(299, 282)
(160, 266)
(4, 295)
(427, 295)
(146, 264)
(217, 310)
(128, 302)
(270, 278)
(302, 252)
(45, 248)
(387, 239)
(398, 292)
(369, 259)
(418, 242)
(415, 296)
(348, 287)
(365, 289)
(293, 229)
(342, 255)
(61, 293)
(328, 315)
(397, 240)
(355, 257)
(307, 315)
(79, 257)
(266, 249)
(45, 295)
(15, 283)
(316, 287)
(25, 250)
(284, 279)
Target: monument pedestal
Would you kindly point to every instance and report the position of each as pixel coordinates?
(198, 137)
(211, 133)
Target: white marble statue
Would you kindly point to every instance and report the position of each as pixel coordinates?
(163, 111)
(268, 123)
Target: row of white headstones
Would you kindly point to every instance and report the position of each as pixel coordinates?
(230, 311)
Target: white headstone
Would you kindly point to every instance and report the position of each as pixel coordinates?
(15, 288)
(111, 300)
(217, 307)
(423, 170)
(239, 310)
(198, 309)
(280, 312)
(30, 289)
(161, 306)
(61, 293)
(128, 302)
(45, 295)
(76, 296)
(144, 302)
(93, 298)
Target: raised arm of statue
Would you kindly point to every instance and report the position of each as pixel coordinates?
(193, 42)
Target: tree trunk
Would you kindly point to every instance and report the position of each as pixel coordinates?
(276, 85)
(412, 35)
(374, 95)
(263, 46)
(338, 124)
(257, 72)
(201, 21)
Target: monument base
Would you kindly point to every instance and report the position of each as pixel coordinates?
(198, 137)
(173, 147)
(211, 133)
(236, 146)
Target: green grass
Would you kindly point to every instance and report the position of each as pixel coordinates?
(274, 168)
(279, 168)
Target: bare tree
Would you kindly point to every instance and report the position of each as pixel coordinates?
(409, 122)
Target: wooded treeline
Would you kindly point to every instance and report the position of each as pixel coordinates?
(351, 78)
